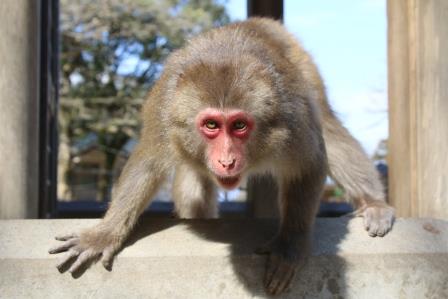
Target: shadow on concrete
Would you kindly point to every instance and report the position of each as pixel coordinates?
(321, 277)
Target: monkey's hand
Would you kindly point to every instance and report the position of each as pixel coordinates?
(284, 258)
(279, 273)
(378, 217)
(86, 247)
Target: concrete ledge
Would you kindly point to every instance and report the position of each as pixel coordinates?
(214, 259)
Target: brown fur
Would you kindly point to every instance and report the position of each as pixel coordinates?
(258, 67)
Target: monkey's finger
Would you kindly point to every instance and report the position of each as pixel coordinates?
(64, 247)
(368, 219)
(66, 237)
(373, 229)
(271, 267)
(272, 287)
(284, 276)
(71, 254)
(381, 231)
(273, 284)
(386, 225)
(383, 228)
(108, 256)
(82, 259)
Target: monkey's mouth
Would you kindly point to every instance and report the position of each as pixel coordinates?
(229, 182)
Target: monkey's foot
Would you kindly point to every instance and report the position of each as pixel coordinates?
(378, 217)
(85, 248)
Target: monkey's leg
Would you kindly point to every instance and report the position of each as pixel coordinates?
(352, 169)
(289, 250)
(194, 195)
(135, 188)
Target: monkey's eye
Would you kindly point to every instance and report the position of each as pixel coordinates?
(211, 124)
(239, 125)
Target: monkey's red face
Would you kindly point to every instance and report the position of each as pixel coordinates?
(225, 133)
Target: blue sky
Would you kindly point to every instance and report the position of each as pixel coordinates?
(348, 40)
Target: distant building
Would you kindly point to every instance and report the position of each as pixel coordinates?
(86, 176)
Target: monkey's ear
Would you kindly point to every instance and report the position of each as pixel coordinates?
(180, 79)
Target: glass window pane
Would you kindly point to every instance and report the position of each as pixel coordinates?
(111, 54)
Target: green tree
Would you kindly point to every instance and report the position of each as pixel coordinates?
(111, 53)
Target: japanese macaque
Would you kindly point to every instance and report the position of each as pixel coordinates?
(237, 101)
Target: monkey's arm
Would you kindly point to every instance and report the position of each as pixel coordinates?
(299, 201)
(137, 185)
(354, 171)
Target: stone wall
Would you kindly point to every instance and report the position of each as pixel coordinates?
(215, 259)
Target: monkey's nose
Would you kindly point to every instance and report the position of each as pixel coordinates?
(227, 163)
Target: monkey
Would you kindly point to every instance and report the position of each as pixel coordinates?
(241, 100)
